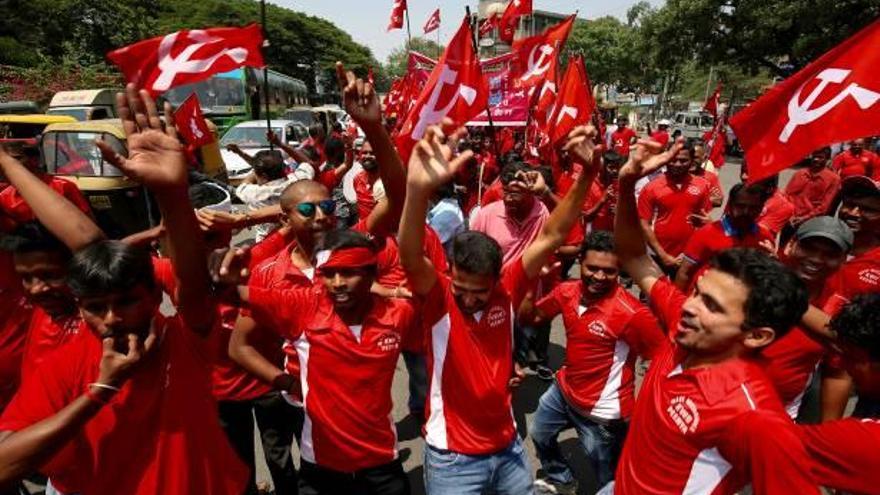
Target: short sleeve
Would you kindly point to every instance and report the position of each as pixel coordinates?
(766, 447)
(646, 203)
(695, 249)
(304, 171)
(643, 333)
(283, 310)
(438, 295)
(271, 245)
(666, 303)
(551, 304)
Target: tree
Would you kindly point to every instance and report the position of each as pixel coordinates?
(396, 65)
(611, 54)
(779, 35)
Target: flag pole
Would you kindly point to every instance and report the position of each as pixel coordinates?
(408, 32)
(266, 70)
(467, 10)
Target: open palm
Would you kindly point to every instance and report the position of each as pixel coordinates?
(431, 163)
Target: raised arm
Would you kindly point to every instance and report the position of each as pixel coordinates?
(430, 166)
(361, 102)
(292, 152)
(580, 145)
(61, 217)
(156, 159)
(250, 160)
(629, 238)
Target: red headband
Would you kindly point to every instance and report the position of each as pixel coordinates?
(354, 257)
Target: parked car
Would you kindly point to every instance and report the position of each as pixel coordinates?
(693, 125)
(250, 136)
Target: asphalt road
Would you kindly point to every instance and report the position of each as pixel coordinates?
(525, 399)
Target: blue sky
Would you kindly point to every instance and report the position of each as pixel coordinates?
(366, 20)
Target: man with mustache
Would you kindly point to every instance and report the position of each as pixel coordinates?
(707, 420)
(606, 328)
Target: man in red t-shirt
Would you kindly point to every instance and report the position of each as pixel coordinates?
(707, 420)
(812, 189)
(778, 209)
(669, 208)
(736, 228)
(126, 405)
(661, 135)
(472, 444)
(856, 161)
(623, 137)
(365, 180)
(606, 329)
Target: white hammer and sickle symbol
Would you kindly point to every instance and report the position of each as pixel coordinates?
(430, 114)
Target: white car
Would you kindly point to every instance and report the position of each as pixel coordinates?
(250, 136)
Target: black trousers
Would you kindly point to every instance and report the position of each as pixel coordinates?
(279, 423)
(388, 479)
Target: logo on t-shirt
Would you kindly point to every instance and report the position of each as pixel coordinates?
(870, 276)
(497, 316)
(388, 342)
(598, 328)
(684, 414)
(693, 190)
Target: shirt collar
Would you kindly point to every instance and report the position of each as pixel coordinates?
(716, 382)
(602, 305)
(731, 231)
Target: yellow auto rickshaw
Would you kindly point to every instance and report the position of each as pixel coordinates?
(121, 206)
(27, 128)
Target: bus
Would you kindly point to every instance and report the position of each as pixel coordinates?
(237, 95)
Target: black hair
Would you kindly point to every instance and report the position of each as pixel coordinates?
(269, 165)
(334, 148)
(476, 253)
(613, 157)
(599, 240)
(316, 130)
(777, 297)
(311, 152)
(690, 147)
(31, 237)
(511, 169)
(758, 189)
(107, 267)
(205, 194)
(858, 323)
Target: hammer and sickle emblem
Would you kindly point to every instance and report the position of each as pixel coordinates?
(194, 128)
(802, 113)
(430, 114)
(542, 64)
(566, 110)
(170, 66)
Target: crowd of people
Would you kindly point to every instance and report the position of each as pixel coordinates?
(457, 260)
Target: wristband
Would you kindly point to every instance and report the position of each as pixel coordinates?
(92, 396)
(104, 386)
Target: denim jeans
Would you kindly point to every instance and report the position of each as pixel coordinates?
(503, 473)
(601, 442)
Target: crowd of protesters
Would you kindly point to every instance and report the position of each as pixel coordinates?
(747, 305)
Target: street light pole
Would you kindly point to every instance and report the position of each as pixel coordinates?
(266, 70)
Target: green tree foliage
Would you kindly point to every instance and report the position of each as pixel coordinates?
(611, 52)
(396, 64)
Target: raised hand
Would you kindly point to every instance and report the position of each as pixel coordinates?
(117, 367)
(581, 145)
(358, 98)
(432, 164)
(645, 159)
(155, 157)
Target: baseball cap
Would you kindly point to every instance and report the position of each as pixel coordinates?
(859, 185)
(829, 228)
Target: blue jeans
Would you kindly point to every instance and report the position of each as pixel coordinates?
(504, 473)
(601, 442)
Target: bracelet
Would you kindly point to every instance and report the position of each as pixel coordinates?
(104, 386)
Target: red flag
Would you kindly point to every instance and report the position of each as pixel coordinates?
(455, 89)
(711, 104)
(574, 104)
(538, 55)
(488, 24)
(716, 141)
(190, 123)
(188, 56)
(834, 99)
(370, 77)
(397, 11)
(544, 98)
(507, 25)
(433, 22)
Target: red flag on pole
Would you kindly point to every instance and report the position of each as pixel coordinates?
(538, 55)
(397, 10)
(574, 103)
(455, 89)
(488, 24)
(711, 104)
(188, 56)
(834, 99)
(507, 25)
(433, 22)
(190, 123)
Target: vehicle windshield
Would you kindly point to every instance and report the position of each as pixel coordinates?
(303, 116)
(75, 153)
(248, 137)
(221, 94)
(77, 113)
(19, 130)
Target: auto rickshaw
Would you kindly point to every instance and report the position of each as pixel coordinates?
(27, 128)
(120, 206)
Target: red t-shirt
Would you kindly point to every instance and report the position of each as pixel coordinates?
(859, 275)
(812, 194)
(44, 335)
(230, 381)
(493, 193)
(621, 140)
(710, 429)
(363, 188)
(267, 248)
(13, 206)
(847, 164)
(470, 362)
(661, 137)
(160, 434)
(669, 205)
(602, 343)
(844, 454)
(715, 188)
(15, 314)
(777, 213)
(604, 217)
(346, 373)
(719, 235)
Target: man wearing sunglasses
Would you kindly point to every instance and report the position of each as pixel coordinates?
(669, 206)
